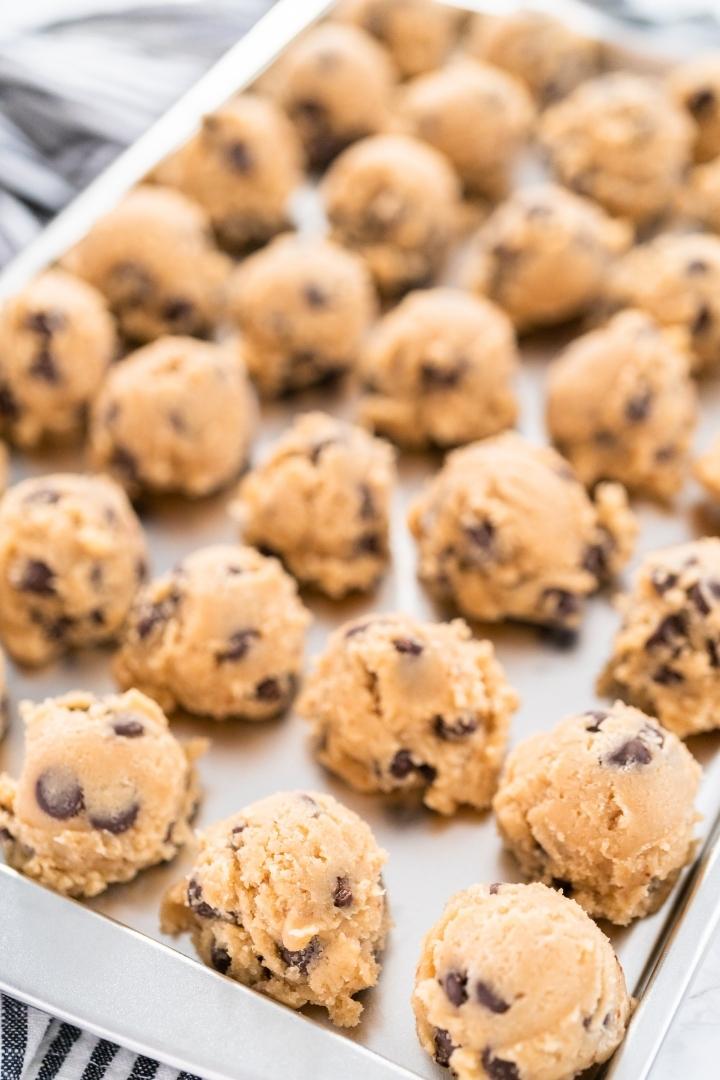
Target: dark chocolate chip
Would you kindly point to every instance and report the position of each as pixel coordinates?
(239, 157)
(667, 630)
(407, 646)
(481, 534)
(58, 628)
(117, 822)
(599, 716)
(702, 321)
(59, 793)
(663, 580)
(455, 986)
(9, 408)
(713, 652)
(564, 604)
(315, 297)
(666, 676)
(316, 450)
(494, 888)
(632, 752)
(638, 408)
(44, 366)
(595, 561)
(561, 884)
(268, 690)
(369, 544)
(37, 577)
(342, 893)
(46, 323)
(433, 377)
(132, 282)
(125, 462)
(359, 628)
(220, 958)
(195, 901)
(127, 726)
(701, 101)
(237, 646)
(178, 310)
(444, 1047)
(499, 1068)
(150, 616)
(697, 266)
(560, 637)
(453, 730)
(696, 595)
(367, 503)
(300, 958)
(402, 764)
(489, 999)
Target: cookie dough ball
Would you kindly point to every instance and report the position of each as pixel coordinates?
(57, 340)
(477, 115)
(395, 201)
(287, 897)
(336, 85)
(602, 807)
(676, 279)
(619, 139)
(321, 503)
(221, 635)
(666, 655)
(398, 705)
(517, 981)
(438, 370)
(489, 546)
(695, 85)
(419, 34)
(242, 167)
(177, 415)
(544, 255)
(303, 306)
(622, 406)
(549, 57)
(707, 469)
(153, 260)
(105, 791)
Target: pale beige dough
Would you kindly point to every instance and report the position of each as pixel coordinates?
(547, 54)
(620, 139)
(303, 306)
(242, 167)
(544, 255)
(177, 415)
(321, 502)
(695, 86)
(418, 34)
(153, 259)
(676, 279)
(602, 807)
(438, 370)
(72, 556)
(394, 200)
(475, 114)
(707, 469)
(336, 85)
(105, 790)
(666, 654)
(221, 635)
(506, 531)
(57, 340)
(622, 406)
(395, 704)
(286, 896)
(516, 982)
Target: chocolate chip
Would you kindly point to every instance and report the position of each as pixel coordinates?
(433, 377)
(132, 282)
(58, 628)
(310, 110)
(237, 646)
(444, 1047)
(632, 752)
(316, 450)
(455, 986)
(368, 544)
(697, 266)
(489, 999)
(58, 793)
(638, 408)
(701, 101)
(599, 716)
(359, 628)
(663, 580)
(650, 731)
(239, 157)
(342, 893)
(451, 731)
(595, 561)
(37, 577)
(603, 437)
(666, 676)
(702, 321)
(407, 646)
(44, 366)
(561, 884)
(178, 310)
(713, 652)
(46, 323)
(117, 822)
(195, 901)
(696, 595)
(402, 765)
(481, 534)
(220, 958)
(268, 690)
(564, 604)
(499, 1068)
(123, 461)
(43, 495)
(669, 628)
(150, 616)
(128, 726)
(560, 637)
(315, 297)
(9, 407)
(367, 503)
(300, 958)
(494, 888)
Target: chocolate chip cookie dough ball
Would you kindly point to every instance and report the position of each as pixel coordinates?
(489, 546)
(72, 555)
(516, 981)
(619, 139)
(398, 705)
(438, 370)
(395, 201)
(57, 340)
(549, 56)
(477, 115)
(544, 255)
(152, 258)
(622, 406)
(177, 415)
(419, 34)
(321, 503)
(707, 469)
(601, 807)
(303, 306)
(336, 85)
(287, 897)
(242, 167)
(666, 655)
(221, 635)
(104, 792)
(676, 279)
(695, 86)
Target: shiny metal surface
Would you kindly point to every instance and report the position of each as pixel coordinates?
(104, 974)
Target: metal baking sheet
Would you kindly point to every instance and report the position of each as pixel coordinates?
(105, 964)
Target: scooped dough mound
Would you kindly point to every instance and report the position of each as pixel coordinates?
(105, 790)
(695, 85)
(286, 896)
(418, 33)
